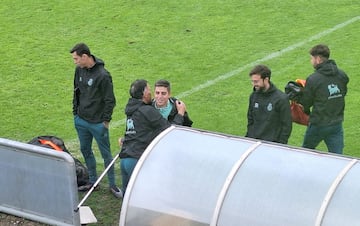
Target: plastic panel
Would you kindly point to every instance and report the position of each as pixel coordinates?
(344, 206)
(182, 176)
(278, 185)
(38, 183)
(189, 177)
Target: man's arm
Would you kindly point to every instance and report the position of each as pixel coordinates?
(250, 119)
(109, 98)
(285, 120)
(76, 95)
(307, 97)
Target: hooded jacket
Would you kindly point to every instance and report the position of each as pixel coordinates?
(143, 124)
(325, 92)
(269, 116)
(174, 117)
(93, 99)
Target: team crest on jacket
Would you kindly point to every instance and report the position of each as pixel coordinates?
(90, 82)
(130, 128)
(333, 89)
(269, 107)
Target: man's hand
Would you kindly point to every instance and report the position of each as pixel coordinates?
(121, 141)
(106, 124)
(180, 106)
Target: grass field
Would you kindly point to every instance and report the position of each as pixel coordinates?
(205, 48)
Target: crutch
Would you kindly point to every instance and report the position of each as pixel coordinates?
(96, 183)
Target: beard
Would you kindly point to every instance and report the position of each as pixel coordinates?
(260, 89)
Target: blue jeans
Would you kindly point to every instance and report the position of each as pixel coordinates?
(127, 166)
(332, 135)
(86, 132)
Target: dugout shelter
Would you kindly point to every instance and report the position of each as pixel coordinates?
(189, 177)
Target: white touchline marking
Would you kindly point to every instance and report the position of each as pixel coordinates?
(241, 69)
(268, 57)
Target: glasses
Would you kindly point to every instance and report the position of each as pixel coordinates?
(256, 81)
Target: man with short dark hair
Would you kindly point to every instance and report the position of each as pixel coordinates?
(93, 105)
(143, 124)
(167, 105)
(324, 100)
(269, 115)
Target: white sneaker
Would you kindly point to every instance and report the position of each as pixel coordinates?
(116, 192)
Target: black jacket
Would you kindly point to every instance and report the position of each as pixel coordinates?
(269, 116)
(93, 99)
(143, 124)
(325, 92)
(174, 117)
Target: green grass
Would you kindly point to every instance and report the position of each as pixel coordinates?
(188, 42)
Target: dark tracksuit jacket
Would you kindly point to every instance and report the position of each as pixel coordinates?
(143, 124)
(325, 92)
(269, 116)
(93, 99)
(174, 117)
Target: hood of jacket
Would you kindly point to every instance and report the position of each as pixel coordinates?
(133, 105)
(98, 61)
(327, 68)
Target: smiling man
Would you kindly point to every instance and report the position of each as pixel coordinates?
(269, 115)
(169, 107)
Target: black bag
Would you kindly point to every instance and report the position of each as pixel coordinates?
(57, 144)
(294, 90)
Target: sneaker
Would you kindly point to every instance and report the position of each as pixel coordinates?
(116, 191)
(88, 186)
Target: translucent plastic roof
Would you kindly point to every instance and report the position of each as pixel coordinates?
(191, 177)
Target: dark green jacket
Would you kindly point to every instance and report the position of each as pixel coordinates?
(269, 116)
(143, 124)
(324, 95)
(174, 117)
(93, 99)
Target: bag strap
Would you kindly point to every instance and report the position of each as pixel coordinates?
(51, 144)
